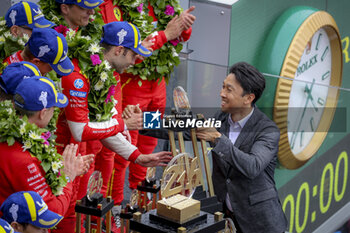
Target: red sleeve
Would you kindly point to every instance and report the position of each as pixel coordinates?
(185, 35)
(159, 40)
(30, 178)
(76, 87)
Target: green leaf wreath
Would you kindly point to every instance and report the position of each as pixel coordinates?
(84, 45)
(8, 43)
(162, 61)
(38, 141)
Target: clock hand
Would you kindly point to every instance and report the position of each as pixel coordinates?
(309, 97)
(308, 91)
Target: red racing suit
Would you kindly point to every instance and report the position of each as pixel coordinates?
(150, 96)
(74, 126)
(20, 171)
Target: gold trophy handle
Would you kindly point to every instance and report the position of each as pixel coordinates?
(206, 163)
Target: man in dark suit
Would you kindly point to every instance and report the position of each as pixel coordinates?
(245, 154)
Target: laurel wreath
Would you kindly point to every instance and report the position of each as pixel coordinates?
(162, 61)
(38, 141)
(8, 43)
(83, 45)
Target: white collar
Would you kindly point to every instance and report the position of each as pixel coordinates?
(241, 122)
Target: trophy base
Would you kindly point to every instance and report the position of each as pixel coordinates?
(208, 204)
(198, 219)
(85, 207)
(151, 222)
(178, 208)
(150, 187)
(128, 212)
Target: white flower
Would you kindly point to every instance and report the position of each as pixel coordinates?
(7, 34)
(98, 116)
(34, 136)
(92, 17)
(175, 54)
(2, 39)
(2, 22)
(27, 145)
(70, 33)
(9, 110)
(144, 24)
(98, 86)
(115, 102)
(135, 4)
(55, 166)
(86, 37)
(54, 17)
(107, 65)
(25, 37)
(104, 76)
(21, 42)
(94, 48)
(59, 191)
(22, 129)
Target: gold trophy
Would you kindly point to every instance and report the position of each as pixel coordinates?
(93, 204)
(178, 211)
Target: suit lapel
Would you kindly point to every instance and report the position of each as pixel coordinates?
(225, 126)
(248, 128)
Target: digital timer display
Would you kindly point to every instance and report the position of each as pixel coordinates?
(318, 191)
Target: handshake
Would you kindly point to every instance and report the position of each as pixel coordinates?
(132, 116)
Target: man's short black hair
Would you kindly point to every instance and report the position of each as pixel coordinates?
(250, 79)
(3, 94)
(107, 47)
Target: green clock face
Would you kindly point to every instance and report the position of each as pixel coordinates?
(307, 98)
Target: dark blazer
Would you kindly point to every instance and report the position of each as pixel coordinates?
(245, 170)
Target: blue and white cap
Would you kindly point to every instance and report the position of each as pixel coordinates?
(51, 47)
(29, 207)
(124, 34)
(38, 93)
(88, 4)
(14, 73)
(27, 14)
(5, 227)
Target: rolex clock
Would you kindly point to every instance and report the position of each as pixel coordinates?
(304, 51)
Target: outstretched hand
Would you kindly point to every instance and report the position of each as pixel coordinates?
(155, 159)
